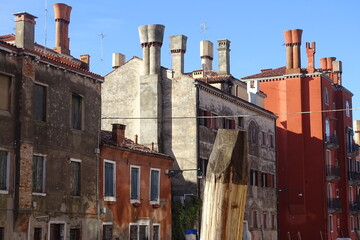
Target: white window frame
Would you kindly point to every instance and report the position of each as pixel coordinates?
(79, 161)
(110, 198)
(6, 191)
(152, 229)
(43, 193)
(138, 184)
(331, 223)
(159, 182)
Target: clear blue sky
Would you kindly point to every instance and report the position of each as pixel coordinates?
(255, 29)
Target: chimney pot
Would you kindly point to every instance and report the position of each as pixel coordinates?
(310, 51)
(206, 55)
(224, 56)
(85, 59)
(62, 20)
(118, 60)
(178, 49)
(118, 133)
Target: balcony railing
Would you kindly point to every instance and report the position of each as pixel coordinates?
(332, 173)
(355, 207)
(334, 205)
(354, 177)
(353, 150)
(332, 142)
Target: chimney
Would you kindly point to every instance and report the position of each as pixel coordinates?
(326, 64)
(293, 56)
(206, 55)
(85, 59)
(151, 39)
(178, 49)
(337, 76)
(224, 56)
(25, 30)
(118, 60)
(118, 133)
(310, 51)
(62, 20)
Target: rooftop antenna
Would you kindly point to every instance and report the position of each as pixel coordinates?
(45, 25)
(203, 29)
(101, 35)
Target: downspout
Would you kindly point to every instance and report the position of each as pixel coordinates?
(97, 152)
(198, 153)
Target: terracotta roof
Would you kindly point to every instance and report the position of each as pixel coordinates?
(268, 73)
(106, 138)
(48, 54)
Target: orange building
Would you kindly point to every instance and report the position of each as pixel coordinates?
(135, 191)
(317, 174)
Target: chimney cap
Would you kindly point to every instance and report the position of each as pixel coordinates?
(62, 11)
(24, 16)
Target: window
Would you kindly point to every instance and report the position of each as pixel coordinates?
(156, 232)
(76, 111)
(347, 108)
(109, 180)
(327, 130)
(351, 198)
(135, 183)
(328, 157)
(241, 122)
(2, 233)
(329, 191)
(271, 140)
(38, 185)
(352, 225)
(154, 185)
(75, 234)
(5, 93)
(75, 178)
(107, 231)
(263, 139)
(133, 231)
(37, 233)
(265, 225)
(4, 171)
(253, 178)
(139, 231)
(326, 96)
(264, 180)
(57, 230)
(254, 219)
(204, 164)
(331, 223)
(253, 133)
(273, 221)
(39, 102)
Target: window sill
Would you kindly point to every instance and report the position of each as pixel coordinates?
(110, 199)
(5, 113)
(135, 201)
(4, 192)
(39, 194)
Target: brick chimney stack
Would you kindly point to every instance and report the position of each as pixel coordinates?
(62, 20)
(178, 49)
(206, 55)
(224, 56)
(293, 56)
(310, 51)
(118, 60)
(118, 133)
(25, 30)
(151, 39)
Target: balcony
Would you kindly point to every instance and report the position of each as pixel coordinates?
(354, 177)
(331, 142)
(332, 173)
(334, 205)
(353, 150)
(355, 207)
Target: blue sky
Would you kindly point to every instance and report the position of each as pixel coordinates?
(255, 29)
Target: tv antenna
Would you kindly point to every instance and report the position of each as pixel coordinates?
(203, 29)
(45, 25)
(102, 36)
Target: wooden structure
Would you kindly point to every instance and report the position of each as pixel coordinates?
(226, 187)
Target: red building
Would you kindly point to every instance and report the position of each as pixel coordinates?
(317, 174)
(135, 191)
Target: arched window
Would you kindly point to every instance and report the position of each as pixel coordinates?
(347, 108)
(326, 96)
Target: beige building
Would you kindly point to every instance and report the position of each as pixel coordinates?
(179, 113)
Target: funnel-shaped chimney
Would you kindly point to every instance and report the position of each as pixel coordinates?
(310, 51)
(293, 43)
(224, 56)
(62, 20)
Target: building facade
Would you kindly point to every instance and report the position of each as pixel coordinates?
(179, 113)
(135, 190)
(48, 142)
(317, 180)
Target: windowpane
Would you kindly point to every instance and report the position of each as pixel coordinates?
(2, 233)
(107, 232)
(133, 232)
(5, 84)
(76, 111)
(134, 191)
(75, 178)
(37, 233)
(38, 174)
(143, 232)
(74, 234)
(156, 232)
(109, 180)
(39, 102)
(3, 170)
(154, 187)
